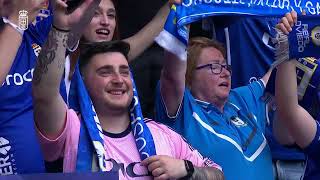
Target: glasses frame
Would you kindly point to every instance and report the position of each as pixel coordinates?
(225, 66)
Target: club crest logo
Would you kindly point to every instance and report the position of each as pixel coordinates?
(315, 35)
(23, 20)
(238, 122)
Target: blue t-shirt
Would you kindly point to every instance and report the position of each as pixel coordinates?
(19, 147)
(249, 40)
(234, 139)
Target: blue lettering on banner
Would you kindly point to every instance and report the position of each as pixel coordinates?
(174, 38)
(304, 39)
(302, 36)
(190, 10)
(313, 7)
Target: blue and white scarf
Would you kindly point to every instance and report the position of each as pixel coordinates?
(175, 35)
(91, 134)
(302, 41)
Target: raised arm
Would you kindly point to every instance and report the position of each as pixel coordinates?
(10, 37)
(266, 76)
(299, 122)
(49, 107)
(172, 82)
(144, 38)
(301, 125)
(280, 129)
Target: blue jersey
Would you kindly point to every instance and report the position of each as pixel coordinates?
(19, 148)
(234, 139)
(249, 41)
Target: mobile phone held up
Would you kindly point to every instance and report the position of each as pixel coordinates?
(73, 4)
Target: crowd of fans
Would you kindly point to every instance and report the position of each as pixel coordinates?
(69, 103)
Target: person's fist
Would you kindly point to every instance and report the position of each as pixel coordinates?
(165, 167)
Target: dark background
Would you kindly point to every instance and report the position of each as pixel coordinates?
(133, 16)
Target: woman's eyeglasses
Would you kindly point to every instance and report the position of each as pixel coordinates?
(216, 68)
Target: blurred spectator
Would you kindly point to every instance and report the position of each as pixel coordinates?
(18, 51)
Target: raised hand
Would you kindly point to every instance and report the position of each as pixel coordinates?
(66, 21)
(76, 21)
(287, 22)
(11, 8)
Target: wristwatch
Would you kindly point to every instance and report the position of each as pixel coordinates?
(190, 169)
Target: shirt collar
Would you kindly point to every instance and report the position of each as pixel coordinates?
(207, 106)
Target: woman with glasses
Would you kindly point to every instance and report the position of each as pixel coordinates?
(195, 98)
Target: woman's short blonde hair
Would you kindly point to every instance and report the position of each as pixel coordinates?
(194, 49)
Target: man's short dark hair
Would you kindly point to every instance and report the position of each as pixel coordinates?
(88, 50)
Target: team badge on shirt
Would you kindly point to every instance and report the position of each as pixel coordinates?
(36, 48)
(237, 121)
(315, 35)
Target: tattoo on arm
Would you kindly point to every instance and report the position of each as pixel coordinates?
(49, 53)
(207, 173)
